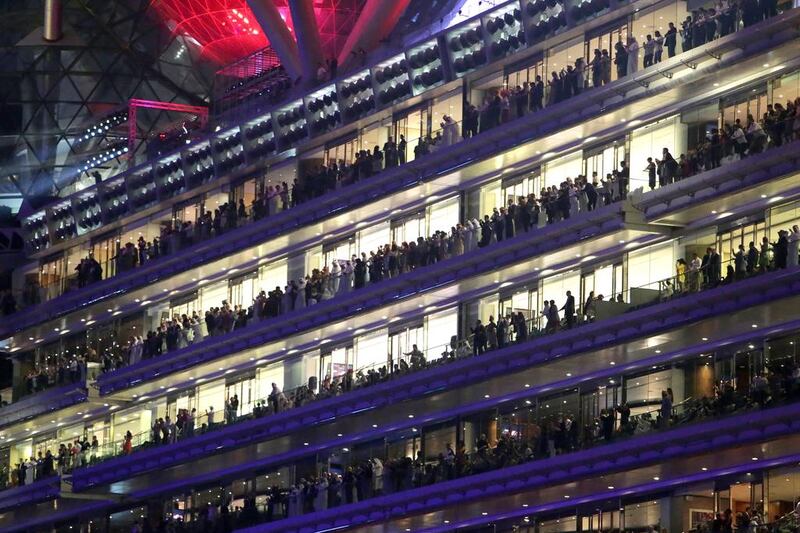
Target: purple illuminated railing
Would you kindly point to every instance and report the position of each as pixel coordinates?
(535, 243)
(646, 321)
(544, 122)
(637, 452)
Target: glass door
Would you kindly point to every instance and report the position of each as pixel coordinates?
(341, 153)
(245, 392)
(738, 108)
(242, 289)
(518, 78)
(408, 229)
(412, 127)
(337, 362)
(520, 186)
(605, 41)
(728, 242)
(104, 250)
(598, 162)
(402, 342)
(595, 400)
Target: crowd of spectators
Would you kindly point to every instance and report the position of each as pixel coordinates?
(553, 435)
(61, 370)
(519, 216)
(507, 330)
(779, 124)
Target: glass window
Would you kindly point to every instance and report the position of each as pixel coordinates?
(340, 251)
(491, 198)
(137, 420)
(783, 492)
(185, 305)
(558, 58)
(408, 229)
(729, 241)
(343, 152)
(640, 516)
(412, 127)
(783, 217)
(375, 135)
(373, 237)
(293, 373)
(525, 302)
(606, 41)
(521, 186)
(337, 362)
(559, 525)
(52, 276)
(556, 287)
(649, 141)
(402, 342)
(265, 377)
(558, 170)
(211, 395)
(213, 295)
(372, 350)
(738, 108)
(443, 215)
(651, 264)
(528, 75)
(451, 106)
(273, 275)
(603, 161)
(646, 389)
(605, 280)
(439, 329)
(786, 89)
(487, 307)
(648, 21)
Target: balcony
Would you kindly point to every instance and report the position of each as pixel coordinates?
(661, 448)
(46, 401)
(589, 227)
(645, 84)
(506, 374)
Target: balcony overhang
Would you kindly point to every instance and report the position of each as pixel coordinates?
(584, 115)
(601, 350)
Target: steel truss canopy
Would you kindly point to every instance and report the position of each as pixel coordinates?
(229, 30)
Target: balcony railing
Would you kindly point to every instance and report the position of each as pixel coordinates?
(459, 367)
(629, 85)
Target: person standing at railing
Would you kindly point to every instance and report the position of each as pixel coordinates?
(520, 326)
(740, 263)
(780, 249)
(478, 338)
(550, 313)
(665, 411)
(632, 50)
(503, 325)
(694, 273)
(569, 310)
(793, 246)
(491, 334)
